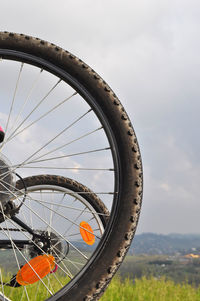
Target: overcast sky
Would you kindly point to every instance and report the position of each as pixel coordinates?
(148, 52)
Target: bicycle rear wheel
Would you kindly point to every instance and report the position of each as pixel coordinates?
(60, 116)
(55, 209)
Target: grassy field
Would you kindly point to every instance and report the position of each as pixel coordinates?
(150, 290)
(158, 278)
(143, 289)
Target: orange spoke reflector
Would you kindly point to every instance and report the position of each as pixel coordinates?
(88, 237)
(36, 269)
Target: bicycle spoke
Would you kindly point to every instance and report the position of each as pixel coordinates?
(50, 217)
(35, 108)
(69, 207)
(31, 217)
(12, 103)
(25, 102)
(2, 286)
(51, 140)
(67, 156)
(70, 193)
(72, 222)
(68, 168)
(42, 116)
(69, 228)
(64, 129)
(57, 205)
(13, 245)
(32, 241)
(34, 212)
(36, 293)
(41, 197)
(66, 144)
(69, 273)
(51, 226)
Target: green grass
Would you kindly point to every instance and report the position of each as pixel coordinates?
(36, 291)
(150, 290)
(144, 289)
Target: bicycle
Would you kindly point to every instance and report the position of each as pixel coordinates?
(62, 117)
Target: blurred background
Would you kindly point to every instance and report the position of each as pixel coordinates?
(148, 52)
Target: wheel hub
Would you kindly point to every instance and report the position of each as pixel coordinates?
(49, 243)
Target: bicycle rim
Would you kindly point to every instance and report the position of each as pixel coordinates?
(110, 159)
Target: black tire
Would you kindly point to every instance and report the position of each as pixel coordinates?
(71, 185)
(95, 276)
(53, 207)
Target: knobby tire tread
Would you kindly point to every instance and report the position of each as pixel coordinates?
(96, 278)
(70, 184)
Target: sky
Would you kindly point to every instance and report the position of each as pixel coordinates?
(148, 52)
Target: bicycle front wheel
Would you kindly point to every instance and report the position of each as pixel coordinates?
(60, 116)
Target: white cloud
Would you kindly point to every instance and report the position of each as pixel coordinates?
(148, 51)
(165, 187)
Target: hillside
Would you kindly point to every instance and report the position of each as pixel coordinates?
(151, 243)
